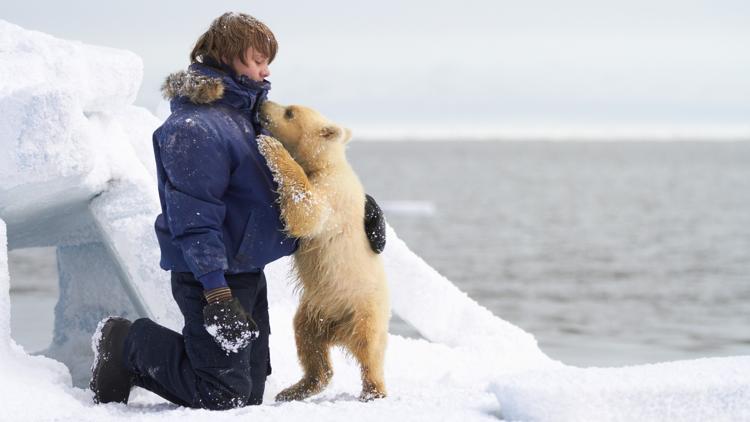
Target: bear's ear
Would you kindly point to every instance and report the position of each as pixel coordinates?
(330, 133)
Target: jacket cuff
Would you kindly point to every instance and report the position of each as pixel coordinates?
(213, 280)
(222, 294)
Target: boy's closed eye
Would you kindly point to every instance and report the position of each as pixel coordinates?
(260, 59)
(255, 67)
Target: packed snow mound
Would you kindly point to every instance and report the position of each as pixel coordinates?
(79, 175)
(698, 390)
(68, 119)
(96, 78)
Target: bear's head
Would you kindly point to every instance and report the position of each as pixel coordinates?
(313, 140)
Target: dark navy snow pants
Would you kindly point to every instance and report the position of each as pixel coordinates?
(191, 369)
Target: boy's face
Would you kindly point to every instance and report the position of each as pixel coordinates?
(256, 67)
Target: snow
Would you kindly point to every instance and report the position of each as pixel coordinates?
(86, 132)
(229, 343)
(697, 390)
(96, 338)
(80, 177)
(100, 78)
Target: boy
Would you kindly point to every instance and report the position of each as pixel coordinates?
(220, 225)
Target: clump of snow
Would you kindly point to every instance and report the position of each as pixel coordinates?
(96, 340)
(229, 344)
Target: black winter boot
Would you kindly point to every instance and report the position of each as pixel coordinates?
(110, 381)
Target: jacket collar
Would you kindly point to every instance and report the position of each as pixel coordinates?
(204, 84)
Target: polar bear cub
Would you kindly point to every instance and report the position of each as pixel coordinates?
(344, 295)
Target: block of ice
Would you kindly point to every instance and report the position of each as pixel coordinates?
(68, 128)
(698, 390)
(79, 175)
(96, 78)
(83, 304)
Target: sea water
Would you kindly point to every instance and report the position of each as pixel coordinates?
(609, 253)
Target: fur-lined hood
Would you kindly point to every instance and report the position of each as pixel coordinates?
(198, 88)
(202, 84)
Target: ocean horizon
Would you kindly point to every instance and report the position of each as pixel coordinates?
(611, 254)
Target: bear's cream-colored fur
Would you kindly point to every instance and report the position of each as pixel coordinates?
(344, 295)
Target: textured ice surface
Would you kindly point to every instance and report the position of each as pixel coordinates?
(98, 78)
(88, 293)
(715, 389)
(69, 121)
(79, 175)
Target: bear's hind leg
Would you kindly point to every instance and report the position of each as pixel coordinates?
(368, 347)
(313, 347)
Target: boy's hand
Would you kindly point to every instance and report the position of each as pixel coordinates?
(227, 322)
(374, 225)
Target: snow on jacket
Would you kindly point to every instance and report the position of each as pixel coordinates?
(218, 201)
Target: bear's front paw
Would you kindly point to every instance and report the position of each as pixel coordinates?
(269, 146)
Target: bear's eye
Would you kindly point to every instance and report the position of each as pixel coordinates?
(289, 114)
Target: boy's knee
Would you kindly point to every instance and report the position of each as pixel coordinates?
(223, 396)
(223, 402)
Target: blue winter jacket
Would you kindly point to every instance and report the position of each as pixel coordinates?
(218, 201)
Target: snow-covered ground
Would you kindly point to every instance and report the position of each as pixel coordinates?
(79, 176)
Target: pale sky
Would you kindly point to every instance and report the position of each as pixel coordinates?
(439, 65)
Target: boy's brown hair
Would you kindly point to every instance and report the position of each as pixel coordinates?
(229, 37)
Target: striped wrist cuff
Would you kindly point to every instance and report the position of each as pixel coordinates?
(222, 294)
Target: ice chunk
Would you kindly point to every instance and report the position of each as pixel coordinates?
(79, 174)
(68, 128)
(99, 78)
(697, 390)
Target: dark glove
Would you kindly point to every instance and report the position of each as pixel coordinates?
(374, 224)
(227, 322)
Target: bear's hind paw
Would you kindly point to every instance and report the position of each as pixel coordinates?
(299, 391)
(371, 395)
